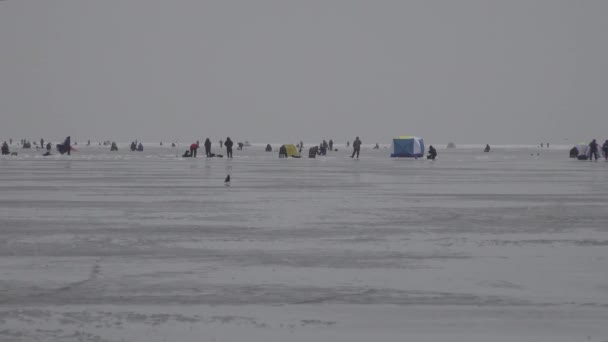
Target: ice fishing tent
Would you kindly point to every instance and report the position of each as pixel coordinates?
(292, 151)
(407, 147)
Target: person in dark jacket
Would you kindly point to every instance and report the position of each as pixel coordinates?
(208, 147)
(66, 147)
(356, 147)
(605, 149)
(331, 145)
(283, 152)
(487, 149)
(228, 143)
(268, 148)
(5, 150)
(140, 147)
(574, 152)
(593, 150)
(48, 147)
(41, 143)
(432, 153)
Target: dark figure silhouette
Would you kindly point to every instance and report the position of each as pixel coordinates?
(593, 150)
(48, 147)
(487, 149)
(283, 152)
(313, 151)
(268, 148)
(228, 145)
(41, 143)
(356, 147)
(208, 147)
(5, 150)
(605, 149)
(221, 144)
(574, 152)
(432, 153)
(331, 145)
(66, 147)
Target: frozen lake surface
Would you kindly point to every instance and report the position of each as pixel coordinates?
(500, 246)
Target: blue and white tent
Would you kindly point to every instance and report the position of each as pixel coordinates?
(407, 147)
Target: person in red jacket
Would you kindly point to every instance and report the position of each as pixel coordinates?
(193, 149)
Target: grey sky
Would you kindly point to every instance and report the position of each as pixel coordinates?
(514, 71)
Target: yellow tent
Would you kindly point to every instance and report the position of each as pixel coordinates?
(292, 151)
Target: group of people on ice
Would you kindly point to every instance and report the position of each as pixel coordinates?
(590, 152)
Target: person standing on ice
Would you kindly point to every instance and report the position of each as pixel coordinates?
(5, 150)
(221, 144)
(356, 147)
(228, 145)
(593, 149)
(331, 145)
(605, 149)
(208, 147)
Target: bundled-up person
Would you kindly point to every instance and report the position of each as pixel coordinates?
(432, 153)
(208, 147)
(228, 143)
(605, 149)
(356, 147)
(5, 150)
(593, 149)
(66, 147)
(283, 152)
(193, 149)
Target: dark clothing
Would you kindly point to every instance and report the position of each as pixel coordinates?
(432, 152)
(268, 148)
(313, 151)
(283, 152)
(605, 149)
(331, 145)
(228, 145)
(356, 148)
(593, 150)
(48, 147)
(66, 147)
(5, 150)
(574, 152)
(208, 147)
(487, 149)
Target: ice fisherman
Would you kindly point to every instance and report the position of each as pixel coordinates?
(228, 143)
(193, 149)
(432, 152)
(283, 152)
(487, 149)
(605, 149)
(356, 147)
(5, 150)
(593, 150)
(208, 147)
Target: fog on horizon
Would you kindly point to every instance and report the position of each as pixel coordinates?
(471, 71)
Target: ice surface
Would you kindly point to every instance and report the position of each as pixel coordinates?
(130, 246)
